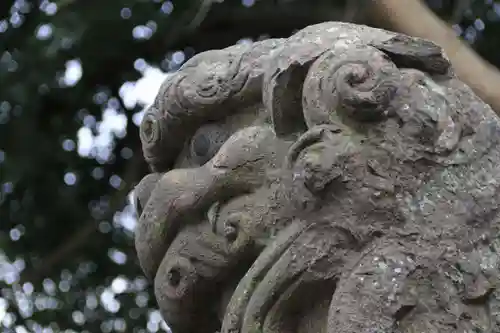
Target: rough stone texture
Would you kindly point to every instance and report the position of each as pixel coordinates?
(342, 180)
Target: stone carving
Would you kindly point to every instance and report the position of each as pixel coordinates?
(341, 180)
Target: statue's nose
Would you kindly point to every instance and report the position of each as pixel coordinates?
(179, 198)
(183, 196)
(187, 284)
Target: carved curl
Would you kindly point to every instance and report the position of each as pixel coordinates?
(282, 85)
(207, 87)
(360, 82)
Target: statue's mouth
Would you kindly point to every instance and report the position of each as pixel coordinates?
(196, 268)
(268, 280)
(272, 275)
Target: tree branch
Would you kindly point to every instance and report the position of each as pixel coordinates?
(414, 18)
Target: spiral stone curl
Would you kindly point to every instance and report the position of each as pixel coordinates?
(359, 82)
(204, 89)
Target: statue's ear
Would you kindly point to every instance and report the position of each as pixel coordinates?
(417, 53)
(282, 88)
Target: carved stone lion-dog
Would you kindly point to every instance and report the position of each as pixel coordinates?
(342, 180)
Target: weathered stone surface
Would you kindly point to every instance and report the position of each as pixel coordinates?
(342, 180)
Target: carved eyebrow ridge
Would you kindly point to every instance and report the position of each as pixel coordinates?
(208, 87)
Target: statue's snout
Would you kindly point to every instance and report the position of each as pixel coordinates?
(175, 241)
(183, 196)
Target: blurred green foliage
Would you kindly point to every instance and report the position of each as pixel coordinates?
(66, 228)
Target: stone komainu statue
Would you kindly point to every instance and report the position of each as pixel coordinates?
(342, 180)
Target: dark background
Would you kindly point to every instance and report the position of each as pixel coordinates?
(67, 73)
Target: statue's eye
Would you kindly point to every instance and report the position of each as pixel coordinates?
(201, 145)
(206, 142)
